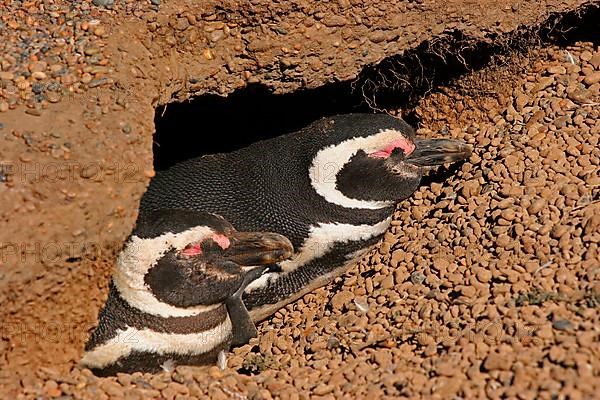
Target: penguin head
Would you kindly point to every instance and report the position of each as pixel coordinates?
(393, 172)
(180, 259)
(377, 160)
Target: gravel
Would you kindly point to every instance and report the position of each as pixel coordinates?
(45, 52)
(487, 284)
(50, 50)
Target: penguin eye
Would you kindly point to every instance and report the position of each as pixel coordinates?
(398, 152)
(211, 246)
(192, 250)
(399, 147)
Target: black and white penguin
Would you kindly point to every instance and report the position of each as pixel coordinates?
(331, 188)
(176, 294)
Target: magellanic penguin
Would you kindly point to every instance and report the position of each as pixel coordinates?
(176, 294)
(331, 188)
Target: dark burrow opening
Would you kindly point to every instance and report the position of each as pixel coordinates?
(212, 124)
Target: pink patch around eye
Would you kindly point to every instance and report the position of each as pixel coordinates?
(193, 250)
(406, 146)
(221, 240)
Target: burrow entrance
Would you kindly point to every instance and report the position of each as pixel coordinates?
(212, 124)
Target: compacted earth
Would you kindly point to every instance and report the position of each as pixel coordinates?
(486, 285)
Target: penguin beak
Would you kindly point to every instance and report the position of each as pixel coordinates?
(432, 152)
(258, 248)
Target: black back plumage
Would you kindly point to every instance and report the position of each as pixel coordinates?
(157, 222)
(266, 186)
(252, 186)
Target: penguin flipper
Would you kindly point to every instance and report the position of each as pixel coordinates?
(243, 328)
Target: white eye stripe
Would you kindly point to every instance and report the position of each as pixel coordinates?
(136, 259)
(330, 160)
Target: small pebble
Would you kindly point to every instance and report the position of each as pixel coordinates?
(562, 325)
(417, 277)
(103, 3)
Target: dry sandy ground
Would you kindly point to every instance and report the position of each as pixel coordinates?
(487, 284)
